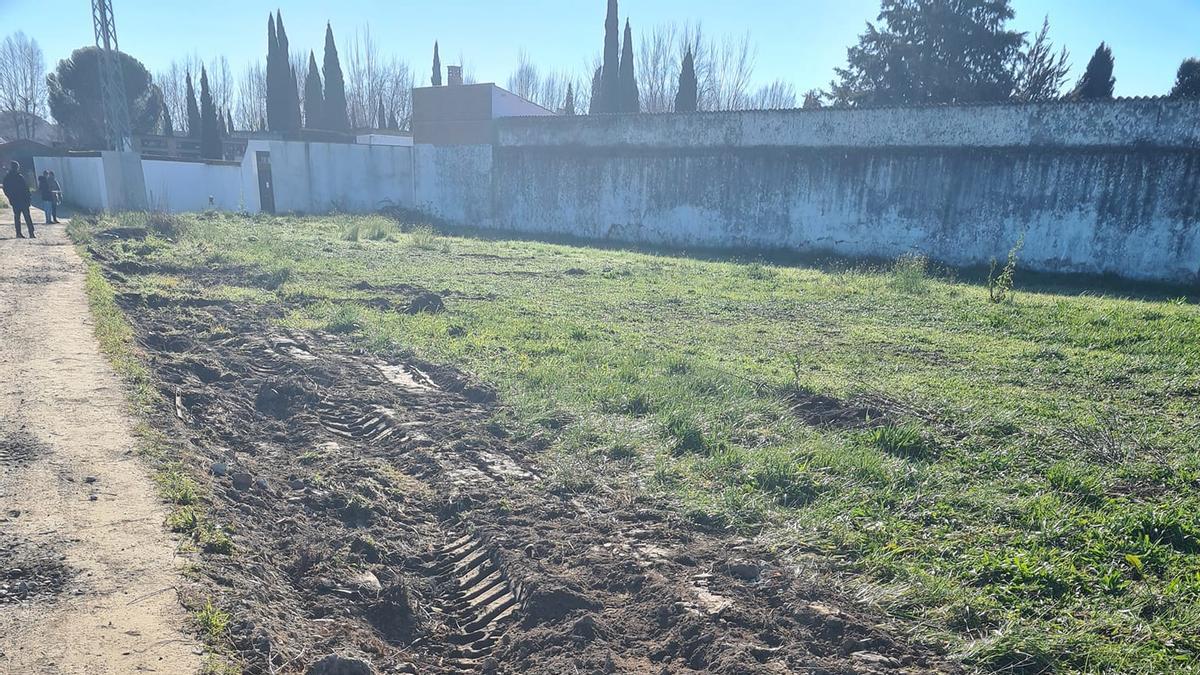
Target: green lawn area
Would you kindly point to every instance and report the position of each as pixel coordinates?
(1017, 480)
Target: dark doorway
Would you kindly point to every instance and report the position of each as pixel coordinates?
(266, 189)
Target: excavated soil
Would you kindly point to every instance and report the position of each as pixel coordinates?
(379, 512)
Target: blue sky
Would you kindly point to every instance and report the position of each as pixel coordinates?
(797, 40)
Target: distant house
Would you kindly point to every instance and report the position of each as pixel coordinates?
(23, 151)
(462, 114)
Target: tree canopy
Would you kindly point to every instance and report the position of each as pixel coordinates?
(210, 122)
(1097, 81)
(932, 51)
(630, 99)
(76, 103)
(314, 97)
(1187, 80)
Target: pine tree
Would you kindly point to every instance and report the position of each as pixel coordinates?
(314, 99)
(334, 114)
(274, 92)
(436, 80)
(1097, 81)
(594, 105)
(610, 89)
(290, 113)
(686, 97)
(210, 125)
(1187, 80)
(631, 100)
(168, 127)
(193, 110)
(380, 116)
(569, 104)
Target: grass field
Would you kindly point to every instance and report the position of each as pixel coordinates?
(1015, 480)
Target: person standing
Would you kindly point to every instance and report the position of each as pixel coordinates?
(16, 190)
(56, 193)
(46, 195)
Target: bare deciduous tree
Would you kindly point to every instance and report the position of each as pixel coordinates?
(22, 83)
(778, 95)
(549, 89)
(371, 77)
(724, 69)
(251, 110)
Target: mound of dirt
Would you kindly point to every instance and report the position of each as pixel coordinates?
(426, 302)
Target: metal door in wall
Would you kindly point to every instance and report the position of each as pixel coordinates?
(266, 188)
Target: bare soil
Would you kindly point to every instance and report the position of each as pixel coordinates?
(87, 575)
(380, 512)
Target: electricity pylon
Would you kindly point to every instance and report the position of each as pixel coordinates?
(112, 80)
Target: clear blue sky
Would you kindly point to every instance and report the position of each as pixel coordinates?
(798, 40)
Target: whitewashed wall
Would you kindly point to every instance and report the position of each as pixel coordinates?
(1110, 187)
(323, 177)
(181, 186)
(82, 179)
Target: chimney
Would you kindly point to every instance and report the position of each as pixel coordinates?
(454, 76)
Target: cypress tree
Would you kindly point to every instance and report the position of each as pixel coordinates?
(193, 110)
(334, 114)
(314, 99)
(210, 124)
(290, 113)
(229, 120)
(274, 93)
(1097, 81)
(380, 116)
(392, 123)
(168, 128)
(610, 90)
(631, 100)
(569, 104)
(685, 98)
(594, 105)
(436, 80)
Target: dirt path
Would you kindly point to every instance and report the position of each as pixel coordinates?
(87, 575)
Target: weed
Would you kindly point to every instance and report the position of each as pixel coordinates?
(168, 225)
(424, 237)
(275, 277)
(906, 440)
(212, 621)
(177, 487)
(910, 274)
(347, 318)
(758, 272)
(1000, 286)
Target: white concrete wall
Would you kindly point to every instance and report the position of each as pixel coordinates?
(82, 180)
(180, 186)
(1111, 187)
(323, 177)
(454, 182)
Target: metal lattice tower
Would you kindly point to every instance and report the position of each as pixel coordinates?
(112, 80)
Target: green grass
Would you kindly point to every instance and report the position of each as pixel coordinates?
(1028, 499)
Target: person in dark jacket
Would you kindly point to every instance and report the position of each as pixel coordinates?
(47, 196)
(56, 192)
(16, 191)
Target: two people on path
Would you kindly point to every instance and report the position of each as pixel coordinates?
(50, 192)
(16, 191)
